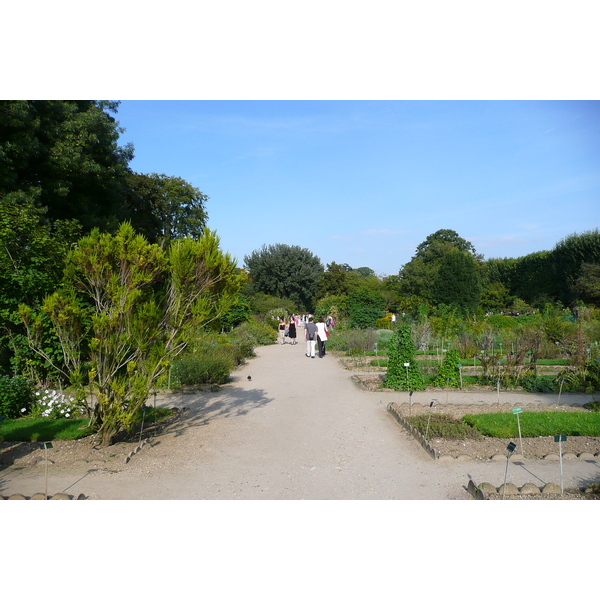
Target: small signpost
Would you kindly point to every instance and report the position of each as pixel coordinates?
(516, 411)
(45, 446)
(511, 448)
(560, 438)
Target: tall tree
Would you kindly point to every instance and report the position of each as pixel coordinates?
(289, 272)
(164, 207)
(418, 275)
(67, 153)
(457, 281)
(335, 281)
(568, 256)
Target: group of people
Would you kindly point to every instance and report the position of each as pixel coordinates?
(315, 334)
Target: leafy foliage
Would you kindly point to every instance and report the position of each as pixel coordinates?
(163, 207)
(143, 306)
(289, 272)
(32, 251)
(401, 350)
(364, 307)
(16, 394)
(457, 282)
(205, 367)
(68, 153)
(439, 425)
(417, 277)
(449, 373)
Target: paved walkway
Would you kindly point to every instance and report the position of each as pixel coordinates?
(298, 429)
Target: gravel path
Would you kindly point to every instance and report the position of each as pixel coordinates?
(299, 429)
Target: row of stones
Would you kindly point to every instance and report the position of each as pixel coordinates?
(393, 409)
(136, 450)
(42, 496)
(484, 490)
(519, 457)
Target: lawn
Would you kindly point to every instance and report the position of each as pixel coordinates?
(43, 430)
(534, 424)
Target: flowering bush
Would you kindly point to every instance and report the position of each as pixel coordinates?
(52, 404)
(15, 393)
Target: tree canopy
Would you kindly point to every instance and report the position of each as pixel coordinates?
(66, 153)
(163, 207)
(289, 272)
(418, 275)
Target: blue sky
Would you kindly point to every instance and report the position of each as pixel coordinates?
(364, 182)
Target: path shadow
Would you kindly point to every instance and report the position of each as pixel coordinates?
(13, 451)
(199, 409)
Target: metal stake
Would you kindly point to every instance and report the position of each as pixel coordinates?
(511, 447)
(429, 418)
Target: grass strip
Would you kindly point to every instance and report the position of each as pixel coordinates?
(536, 424)
(42, 430)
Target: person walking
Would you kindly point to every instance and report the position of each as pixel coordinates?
(321, 336)
(292, 331)
(310, 336)
(281, 330)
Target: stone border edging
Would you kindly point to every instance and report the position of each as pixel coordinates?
(484, 490)
(42, 496)
(393, 409)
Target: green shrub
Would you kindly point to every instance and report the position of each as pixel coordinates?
(542, 384)
(199, 368)
(449, 374)
(356, 342)
(384, 323)
(401, 350)
(16, 394)
(261, 333)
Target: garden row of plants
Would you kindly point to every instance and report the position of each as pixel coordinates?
(504, 425)
(517, 365)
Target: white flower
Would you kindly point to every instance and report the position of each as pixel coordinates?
(68, 415)
(23, 409)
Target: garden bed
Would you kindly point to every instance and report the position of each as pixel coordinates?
(575, 447)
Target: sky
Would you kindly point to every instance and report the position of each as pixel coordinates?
(365, 182)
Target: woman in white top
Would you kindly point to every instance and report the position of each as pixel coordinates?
(321, 336)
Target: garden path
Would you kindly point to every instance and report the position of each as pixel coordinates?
(300, 428)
